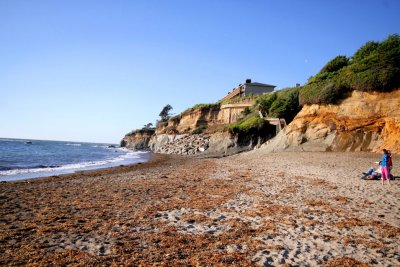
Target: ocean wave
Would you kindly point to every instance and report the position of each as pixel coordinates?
(3, 168)
(73, 144)
(76, 166)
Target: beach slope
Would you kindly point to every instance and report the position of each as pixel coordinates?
(249, 209)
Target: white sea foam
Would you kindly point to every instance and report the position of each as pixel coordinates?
(129, 156)
(73, 144)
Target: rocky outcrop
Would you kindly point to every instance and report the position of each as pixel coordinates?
(365, 121)
(184, 144)
(138, 140)
(213, 145)
(192, 144)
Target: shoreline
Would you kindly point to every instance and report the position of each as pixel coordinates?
(249, 209)
(57, 172)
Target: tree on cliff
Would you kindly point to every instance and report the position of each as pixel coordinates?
(164, 114)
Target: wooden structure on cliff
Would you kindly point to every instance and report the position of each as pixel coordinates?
(280, 123)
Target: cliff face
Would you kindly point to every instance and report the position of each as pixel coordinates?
(183, 134)
(197, 118)
(365, 121)
(207, 117)
(362, 122)
(180, 135)
(190, 121)
(137, 140)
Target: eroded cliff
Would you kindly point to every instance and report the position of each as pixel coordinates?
(138, 140)
(204, 130)
(212, 117)
(365, 121)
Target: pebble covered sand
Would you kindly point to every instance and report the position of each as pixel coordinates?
(251, 209)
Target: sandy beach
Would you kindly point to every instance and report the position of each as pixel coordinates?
(251, 209)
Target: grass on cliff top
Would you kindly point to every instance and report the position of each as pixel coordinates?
(149, 131)
(238, 100)
(202, 107)
(373, 67)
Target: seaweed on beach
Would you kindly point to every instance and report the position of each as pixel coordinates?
(386, 230)
(183, 212)
(341, 199)
(324, 183)
(344, 262)
(350, 222)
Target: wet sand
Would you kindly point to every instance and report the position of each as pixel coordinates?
(251, 209)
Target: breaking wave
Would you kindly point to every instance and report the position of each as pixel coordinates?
(129, 157)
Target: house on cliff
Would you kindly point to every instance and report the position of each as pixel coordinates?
(249, 88)
(231, 111)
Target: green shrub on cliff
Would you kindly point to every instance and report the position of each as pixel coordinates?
(327, 86)
(265, 101)
(281, 104)
(365, 50)
(328, 91)
(373, 67)
(250, 123)
(286, 105)
(335, 64)
(376, 66)
(148, 131)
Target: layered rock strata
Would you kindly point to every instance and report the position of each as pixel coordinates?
(365, 121)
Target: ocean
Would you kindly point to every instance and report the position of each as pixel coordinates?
(25, 159)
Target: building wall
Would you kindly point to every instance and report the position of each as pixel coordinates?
(231, 112)
(257, 90)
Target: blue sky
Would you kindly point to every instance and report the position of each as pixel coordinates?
(94, 70)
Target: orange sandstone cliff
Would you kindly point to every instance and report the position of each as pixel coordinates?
(365, 121)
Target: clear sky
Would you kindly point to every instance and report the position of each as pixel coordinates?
(93, 70)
